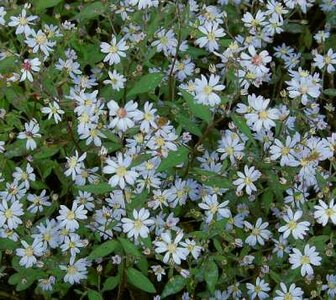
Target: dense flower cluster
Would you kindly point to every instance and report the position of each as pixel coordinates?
(170, 147)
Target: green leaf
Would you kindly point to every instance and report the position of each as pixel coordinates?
(100, 188)
(43, 4)
(187, 124)
(140, 281)
(173, 286)
(129, 247)
(94, 295)
(267, 199)
(91, 11)
(330, 92)
(199, 110)
(174, 158)
(241, 124)
(46, 152)
(146, 84)
(104, 249)
(7, 244)
(111, 283)
(211, 275)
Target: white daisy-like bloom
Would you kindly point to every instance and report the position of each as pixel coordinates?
(72, 243)
(138, 226)
(53, 110)
(142, 4)
(2, 14)
(22, 23)
(29, 253)
(260, 116)
(119, 167)
(114, 50)
(297, 229)
(305, 260)
(304, 86)
(246, 179)
(74, 165)
(39, 41)
(191, 246)
(254, 22)
(75, 271)
(171, 247)
(31, 131)
(259, 290)
(205, 91)
(10, 215)
(116, 80)
(68, 218)
(47, 284)
(293, 292)
(29, 66)
(231, 146)
(123, 118)
(158, 272)
(330, 287)
(38, 202)
(258, 234)
(256, 62)
(326, 61)
(149, 117)
(213, 208)
(183, 68)
(286, 151)
(166, 42)
(212, 34)
(325, 212)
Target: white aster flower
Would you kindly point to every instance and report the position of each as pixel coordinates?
(246, 180)
(306, 260)
(138, 226)
(325, 212)
(31, 131)
(69, 218)
(171, 247)
(119, 168)
(114, 50)
(205, 91)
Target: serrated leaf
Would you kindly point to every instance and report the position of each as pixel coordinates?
(140, 281)
(211, 275)
(111, 283)
(173, 159)
(100, 188)
(104, 249)
(145, 84)
(173, 286)
(199, 110)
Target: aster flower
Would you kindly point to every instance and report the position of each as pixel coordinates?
(171, 248)
(138, 226)
(119, 167)
(115, 50)
(305, 260)
(205, 90)
(246, 179)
